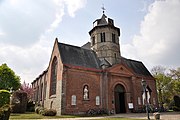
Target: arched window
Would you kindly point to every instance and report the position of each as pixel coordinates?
(97, 100)
(53, 77)
(73, 100)
(86, 92)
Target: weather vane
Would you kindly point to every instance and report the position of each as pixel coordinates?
(103, 8)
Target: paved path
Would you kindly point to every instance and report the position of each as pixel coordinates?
(163, 116)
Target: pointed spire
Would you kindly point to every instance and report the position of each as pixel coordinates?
(56, 39)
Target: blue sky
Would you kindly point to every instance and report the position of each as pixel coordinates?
(149, 30)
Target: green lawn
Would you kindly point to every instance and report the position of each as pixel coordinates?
(30, 115)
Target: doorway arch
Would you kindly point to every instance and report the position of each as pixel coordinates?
(119, 95)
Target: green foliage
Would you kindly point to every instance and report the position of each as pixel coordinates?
(167, 83)
(176, 106)
(5, 112)
(30, 106)
(4, 97)
(45, 112)
(49, 112)
(39, 109)
(97, 111)
(8, 79)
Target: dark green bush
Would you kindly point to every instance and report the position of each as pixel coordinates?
(19, 102)
(30, 107)
(4, 97)
(5, 112)
(97, 111)
(49, 112)
(176, 103)
(39, 109)
(175, 108)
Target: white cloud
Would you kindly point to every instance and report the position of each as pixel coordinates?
(26, 62)
(74, 5)
(26, 30)
(25, 21)
(159, 38)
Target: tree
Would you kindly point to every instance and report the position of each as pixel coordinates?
(8, 79)
(167, 83)
(28, 89)
(175, 75)
(158, 70)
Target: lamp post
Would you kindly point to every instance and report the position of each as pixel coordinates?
(144, 85)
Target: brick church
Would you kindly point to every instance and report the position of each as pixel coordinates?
(93, 76)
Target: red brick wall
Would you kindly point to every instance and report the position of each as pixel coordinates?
(76, 79)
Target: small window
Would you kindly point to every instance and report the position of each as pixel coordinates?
(73, 100)
(97, 100)
(115, 56)
(93, 40)
(113, 38)
(85, 93)
(41, 92)
(139, 101)
(103, 37)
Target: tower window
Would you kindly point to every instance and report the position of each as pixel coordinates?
(103, 37)
(93, 40)
(115, 55)
(113, 38)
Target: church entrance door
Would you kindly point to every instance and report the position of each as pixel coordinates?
(119, 95)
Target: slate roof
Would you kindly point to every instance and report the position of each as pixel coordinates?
(87, 46)
(78, 56)
(137, 67)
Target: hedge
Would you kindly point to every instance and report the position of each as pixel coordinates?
(4, 97)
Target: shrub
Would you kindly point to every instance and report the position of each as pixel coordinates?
(175, 108)
(95, 112)
(39, 109)
(49, 112)
(4, 97)
(30, 107)
(19, 102)
(45, 112)
(176, 103)
(5, 112)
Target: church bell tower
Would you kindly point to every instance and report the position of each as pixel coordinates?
(105, 40)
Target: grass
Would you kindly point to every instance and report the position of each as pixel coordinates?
(32, 115)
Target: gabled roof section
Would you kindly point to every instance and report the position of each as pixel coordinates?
(78, 56)
(137, 67)
(120, 69)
